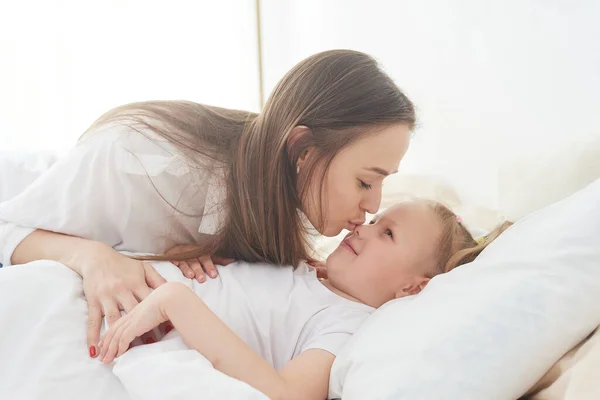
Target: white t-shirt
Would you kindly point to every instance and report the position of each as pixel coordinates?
(278, 311)
(117, 186)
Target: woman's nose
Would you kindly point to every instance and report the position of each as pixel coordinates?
(371, 202)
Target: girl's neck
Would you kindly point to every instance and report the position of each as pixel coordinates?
(337, 291)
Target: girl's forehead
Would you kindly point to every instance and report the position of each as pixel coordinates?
(408, 207)
(405, 212)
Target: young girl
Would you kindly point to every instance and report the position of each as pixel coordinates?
(279, 329)
(148, 177)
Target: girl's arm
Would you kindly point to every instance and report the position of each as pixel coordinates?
(305, 377)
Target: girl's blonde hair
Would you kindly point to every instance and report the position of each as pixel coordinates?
(456, 244)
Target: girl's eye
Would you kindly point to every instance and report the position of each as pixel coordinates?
(389, 233)
(364, 185)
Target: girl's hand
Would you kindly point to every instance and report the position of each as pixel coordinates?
(146, 316)
(197, 267)
(111, 282)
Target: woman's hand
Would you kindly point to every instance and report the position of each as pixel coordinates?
(144, 317)
(111, 282)
(197, 267)
(320, 267)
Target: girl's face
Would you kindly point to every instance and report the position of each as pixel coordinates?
(389, 258)
(352, 185)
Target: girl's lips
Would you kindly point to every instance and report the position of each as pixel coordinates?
(347, 246)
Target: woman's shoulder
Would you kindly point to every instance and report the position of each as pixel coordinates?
(121, 135)
(139, 150)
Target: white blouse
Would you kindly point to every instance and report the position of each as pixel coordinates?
(130, 190)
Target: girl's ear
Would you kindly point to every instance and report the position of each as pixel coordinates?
(414, 287)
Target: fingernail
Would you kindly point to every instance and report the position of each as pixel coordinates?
(168, 328)
(202, 278)
(150, 340)
(92, 351)
(213, 275)
(189, 274)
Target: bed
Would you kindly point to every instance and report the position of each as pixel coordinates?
(36, 362)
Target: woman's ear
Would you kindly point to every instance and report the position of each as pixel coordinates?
(299, 144)
(414, 287)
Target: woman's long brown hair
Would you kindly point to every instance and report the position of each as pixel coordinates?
(340, 95)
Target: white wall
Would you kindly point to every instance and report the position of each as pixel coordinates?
(63, 63)
(492, 80)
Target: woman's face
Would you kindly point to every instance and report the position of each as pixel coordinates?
(390, 258)
(353, 183)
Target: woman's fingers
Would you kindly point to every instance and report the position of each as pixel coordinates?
(94, 322)
(321, 272)
(128, 301)
(141, 292)
(111, 311)
(202, 266)
(208, 266)
(166, 327)
(153, 278)
(149, 337)
(197, 268)
(186, 269)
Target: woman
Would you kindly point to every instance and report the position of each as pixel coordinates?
(145, 176)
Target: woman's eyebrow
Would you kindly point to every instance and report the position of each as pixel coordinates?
(380, 171)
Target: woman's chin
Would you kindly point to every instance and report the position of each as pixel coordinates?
(331, 231)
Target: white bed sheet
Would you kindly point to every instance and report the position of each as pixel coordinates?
(43, 349)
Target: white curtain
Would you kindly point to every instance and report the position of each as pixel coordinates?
(64, 63)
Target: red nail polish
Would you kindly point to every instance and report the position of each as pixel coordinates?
(92, 351)
(168, 328)
(150, 340)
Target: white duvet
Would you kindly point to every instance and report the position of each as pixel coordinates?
(43, 351)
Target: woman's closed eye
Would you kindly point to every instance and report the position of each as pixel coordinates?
(389, 233)
(365, 185)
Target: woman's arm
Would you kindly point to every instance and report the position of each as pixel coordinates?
(305, 377)
(65, 249)
(111, 282)
(97, 197)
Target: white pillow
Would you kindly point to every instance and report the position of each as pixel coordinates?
(490, 329)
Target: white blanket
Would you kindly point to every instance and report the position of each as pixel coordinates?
(43, 351)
